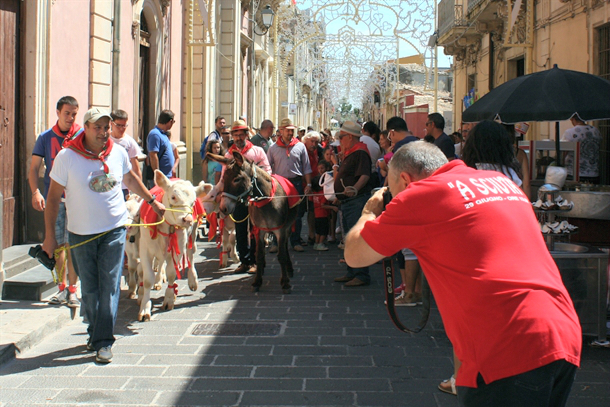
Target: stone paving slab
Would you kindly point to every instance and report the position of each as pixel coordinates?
(335, 347)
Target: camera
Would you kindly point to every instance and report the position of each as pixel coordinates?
(387, 196)
(37, 253)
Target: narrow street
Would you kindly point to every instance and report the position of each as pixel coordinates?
(322, 345)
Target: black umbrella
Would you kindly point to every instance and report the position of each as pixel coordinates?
(551, 95)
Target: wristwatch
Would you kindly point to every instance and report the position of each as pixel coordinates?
(152, 199)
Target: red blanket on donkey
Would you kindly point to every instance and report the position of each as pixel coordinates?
(291, 193)
(148, 215)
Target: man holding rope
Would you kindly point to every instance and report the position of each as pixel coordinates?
(246, 246)
(353, 189)
(89, 170)
(504, 306)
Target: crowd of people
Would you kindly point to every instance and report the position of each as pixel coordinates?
(528, 331)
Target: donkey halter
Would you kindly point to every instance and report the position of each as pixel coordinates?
(243, 197)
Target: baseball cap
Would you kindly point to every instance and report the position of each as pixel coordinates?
(301, 128)
(94, 114)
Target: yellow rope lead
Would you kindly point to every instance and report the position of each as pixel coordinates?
(58, 276)
(239, 221)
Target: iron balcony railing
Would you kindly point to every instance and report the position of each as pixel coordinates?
(473, 3)
(451, 13)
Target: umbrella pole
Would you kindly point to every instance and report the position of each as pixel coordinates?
(557, 150)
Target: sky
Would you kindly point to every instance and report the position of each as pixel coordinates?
(367, 36)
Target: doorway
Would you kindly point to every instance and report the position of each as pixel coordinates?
(9, 104)
(144, 117)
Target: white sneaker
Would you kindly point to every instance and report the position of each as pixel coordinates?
(59, 298)
(321, 247)
(341, 245)
(73, 301)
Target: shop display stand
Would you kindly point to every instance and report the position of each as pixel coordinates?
(550, 216)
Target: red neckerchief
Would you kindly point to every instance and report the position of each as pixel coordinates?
(76, 144)
(247, 147)
(358, 146)
(74, 131)
(293, 142)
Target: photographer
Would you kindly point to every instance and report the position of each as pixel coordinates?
(509, 318)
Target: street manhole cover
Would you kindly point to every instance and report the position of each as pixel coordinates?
(237, 329)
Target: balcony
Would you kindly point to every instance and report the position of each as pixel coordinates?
(451, 16)
(463, 22)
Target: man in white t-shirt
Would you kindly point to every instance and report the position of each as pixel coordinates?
(118, 126)
(590, 140)
(89, 170)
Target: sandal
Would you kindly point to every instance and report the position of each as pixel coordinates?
(448, 386)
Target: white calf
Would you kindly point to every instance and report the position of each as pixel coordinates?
(173, 242)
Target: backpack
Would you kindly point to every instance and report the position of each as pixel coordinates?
(327, 182)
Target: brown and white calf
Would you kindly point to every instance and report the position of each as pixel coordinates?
(172, 242)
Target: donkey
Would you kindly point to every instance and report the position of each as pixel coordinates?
(269, 208)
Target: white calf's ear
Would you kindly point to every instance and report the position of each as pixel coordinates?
(161, 180)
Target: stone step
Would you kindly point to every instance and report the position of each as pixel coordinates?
(34, 284)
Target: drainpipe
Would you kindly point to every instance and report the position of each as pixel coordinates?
(116, 50)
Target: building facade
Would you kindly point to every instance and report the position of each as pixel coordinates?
(494, 41)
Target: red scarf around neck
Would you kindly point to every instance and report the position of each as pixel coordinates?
(293, 142)
(358, 146)
(76, 144)
(74, 131)
(247, 147)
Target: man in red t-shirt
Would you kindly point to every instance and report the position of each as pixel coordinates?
(505, 308)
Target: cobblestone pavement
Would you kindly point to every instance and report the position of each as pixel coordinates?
(322, 345)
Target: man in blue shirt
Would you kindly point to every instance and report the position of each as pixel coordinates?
(159, 148)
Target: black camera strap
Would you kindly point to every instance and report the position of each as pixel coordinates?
(388, 268)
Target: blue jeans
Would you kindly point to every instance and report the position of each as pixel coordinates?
(99, 264)
(546, 386)
(351, 211)
(295, 237)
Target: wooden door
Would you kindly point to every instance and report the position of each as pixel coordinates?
(9, 61)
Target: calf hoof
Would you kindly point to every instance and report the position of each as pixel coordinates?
(287, 290)
(167, 306)
(144, 318)
(157, 286)
(132, 296)
(255, 289)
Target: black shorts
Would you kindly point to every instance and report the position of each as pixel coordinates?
(321, 226)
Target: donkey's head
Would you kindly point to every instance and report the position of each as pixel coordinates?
(236, 181)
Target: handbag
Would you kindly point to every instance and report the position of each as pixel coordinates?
(327, 183)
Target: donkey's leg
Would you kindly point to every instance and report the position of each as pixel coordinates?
(260, 262)
(284, 259)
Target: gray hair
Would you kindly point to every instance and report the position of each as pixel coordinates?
(418, 159)
(312, 134)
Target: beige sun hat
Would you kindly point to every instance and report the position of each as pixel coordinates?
(352, 128)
